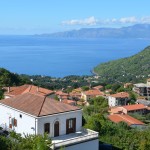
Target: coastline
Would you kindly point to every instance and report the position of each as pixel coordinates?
(94, 73)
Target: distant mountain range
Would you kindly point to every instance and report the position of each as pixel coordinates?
(132, 69)
(135, 31)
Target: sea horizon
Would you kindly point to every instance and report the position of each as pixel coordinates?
(59, 57)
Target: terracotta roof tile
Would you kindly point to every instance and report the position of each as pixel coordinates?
(93, 92)
(115, 110)
(60, 93)
(14, 91)
(120, 95)
(125, 118)
(70, 102)
(37, 105)
(134, 107)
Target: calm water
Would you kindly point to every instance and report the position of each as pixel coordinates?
(62, 57)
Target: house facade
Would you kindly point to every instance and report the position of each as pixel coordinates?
(87, 95)
(118, 99)
(142, 89)
(35, 114)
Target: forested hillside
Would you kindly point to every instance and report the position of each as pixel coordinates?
(10, 79)
(131, 69)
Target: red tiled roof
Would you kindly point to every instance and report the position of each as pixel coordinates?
(98, 87)
(14, 91)
(37, 105)
(77, 90)
(115, 110)
(71, 102)
(134, 107)
(39, 90)
(125, 118)
(93, 92)
(60, 93)
(120, 95)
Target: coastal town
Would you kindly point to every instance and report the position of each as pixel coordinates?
(30, 109)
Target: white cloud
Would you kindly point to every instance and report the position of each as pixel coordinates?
(145, 19)
(87, 21)
(91, 21)
(128, 20)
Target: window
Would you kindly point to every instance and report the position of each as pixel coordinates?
(20, 116)
(47, 128)
(13, 122)
(70, 123)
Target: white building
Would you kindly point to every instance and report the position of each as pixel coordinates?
(118, 99)
(35, 114)
(142, 89)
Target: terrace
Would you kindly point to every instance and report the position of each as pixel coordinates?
(74, 138)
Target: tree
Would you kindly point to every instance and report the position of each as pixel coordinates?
(94, 122)
(1, 94)
(85, 88)
(132, 97)
(28, 142)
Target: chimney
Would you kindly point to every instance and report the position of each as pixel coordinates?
(8, 89)
(148, 82)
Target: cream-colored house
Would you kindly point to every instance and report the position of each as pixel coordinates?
(87, 95)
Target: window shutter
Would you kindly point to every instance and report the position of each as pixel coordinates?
(10, 126)
(67, 126)
(74, 124)
(47, 128)
(15, 122)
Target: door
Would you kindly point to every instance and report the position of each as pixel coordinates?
(70, 125)
(56, 129)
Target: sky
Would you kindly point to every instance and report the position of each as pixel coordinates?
(48, 16)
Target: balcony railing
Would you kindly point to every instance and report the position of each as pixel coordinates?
(78, 137)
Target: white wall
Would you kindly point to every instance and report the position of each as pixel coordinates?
(112, 101)
(24, 124)
(89, 145)
(62, 122)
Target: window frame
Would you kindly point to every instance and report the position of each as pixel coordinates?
(47, 128)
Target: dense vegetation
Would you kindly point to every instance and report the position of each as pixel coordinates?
(120, 135)
(58, 83)
(132, 69)
(94, 116)
(29, 142)
(10, 79)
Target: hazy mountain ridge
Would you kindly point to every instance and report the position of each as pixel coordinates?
(135, 31)
(132, 69)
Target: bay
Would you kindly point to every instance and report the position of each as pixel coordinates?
(58, 57)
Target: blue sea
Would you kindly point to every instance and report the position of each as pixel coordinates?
(59, 57)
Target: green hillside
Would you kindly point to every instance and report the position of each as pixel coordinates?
(132, 69)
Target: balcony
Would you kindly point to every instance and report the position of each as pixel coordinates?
(73, 138)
